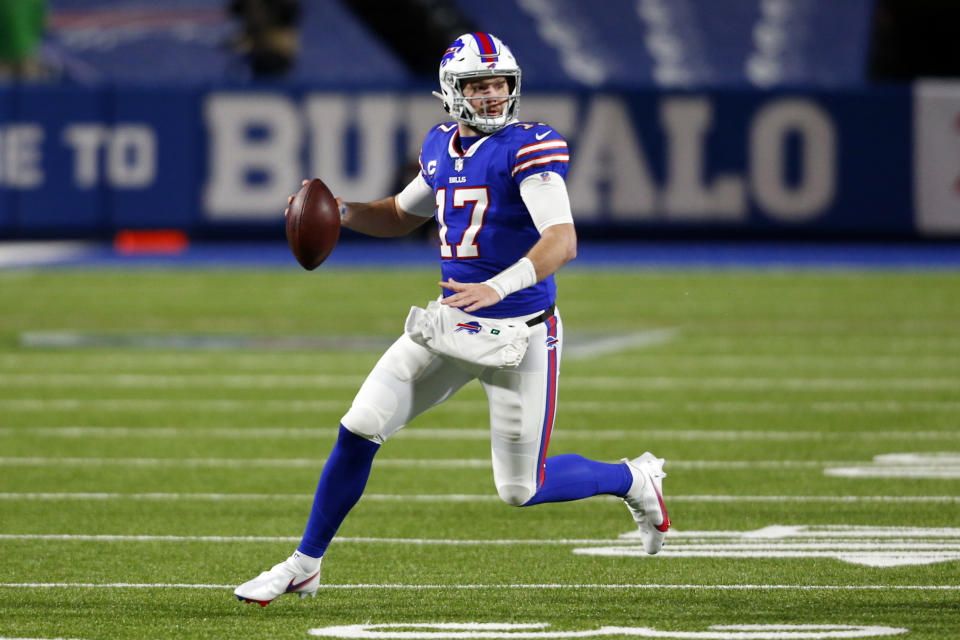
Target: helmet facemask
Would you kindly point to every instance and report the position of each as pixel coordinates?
(468, 60)
(464, 109)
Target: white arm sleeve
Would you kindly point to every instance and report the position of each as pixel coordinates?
(417, 198)
(546, 200)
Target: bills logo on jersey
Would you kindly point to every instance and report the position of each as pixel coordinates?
(552, 343)
(473, 327)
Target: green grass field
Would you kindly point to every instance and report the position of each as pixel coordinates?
(162, 431)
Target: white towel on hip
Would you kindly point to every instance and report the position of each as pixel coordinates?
(450, 332)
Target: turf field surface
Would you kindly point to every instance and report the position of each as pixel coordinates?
(161, 433)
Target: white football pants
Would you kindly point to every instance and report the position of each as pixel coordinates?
(409, 379)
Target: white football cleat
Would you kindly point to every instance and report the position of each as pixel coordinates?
(286, 577)
(645, 500)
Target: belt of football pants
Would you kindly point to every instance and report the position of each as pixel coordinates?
(534, 321)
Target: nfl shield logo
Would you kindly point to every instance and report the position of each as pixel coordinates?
(458, 164)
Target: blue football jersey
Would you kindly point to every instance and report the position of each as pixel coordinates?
(484, 225)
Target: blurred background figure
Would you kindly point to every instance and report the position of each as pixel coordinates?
(22, 26)
(270, 39)
(414, 29)
(618, 80)
(564, 43)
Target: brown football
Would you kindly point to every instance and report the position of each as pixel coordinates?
(313, 225)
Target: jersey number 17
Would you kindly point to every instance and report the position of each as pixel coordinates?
(477, 200)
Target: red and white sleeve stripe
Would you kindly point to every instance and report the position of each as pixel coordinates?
(541, 153)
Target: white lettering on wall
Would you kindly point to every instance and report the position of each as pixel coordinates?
(374, 119)
(815, 190)
(21, 156)
(262, 145)
(609, 171)
(130, 152)
(254, 163)
(687, 194)
(85, 139)
(132, 157)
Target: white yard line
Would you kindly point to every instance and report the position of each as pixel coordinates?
(941, 465)
(585, 349)
(471, 587)
(944, 472)
(157, 404)
(622, 383)
(450, 497)
(613, 383)
(886, 556)
(414, 433)
(446, 542)
(198, 497)
(65, 537)
(180, 380)
(241, 463)
(454, 463)
(596, 406)
(862, 545)
(814, 499)
(307, 361)
(578, 346)
(870, 546)
(709, 539)
(26, 254)
(790, 362)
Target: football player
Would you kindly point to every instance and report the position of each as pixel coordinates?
(496, 188)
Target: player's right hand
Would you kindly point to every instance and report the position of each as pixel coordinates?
(469, 296)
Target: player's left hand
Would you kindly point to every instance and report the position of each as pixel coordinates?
(469, 296)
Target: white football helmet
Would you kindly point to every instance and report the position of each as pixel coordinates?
(474, 56)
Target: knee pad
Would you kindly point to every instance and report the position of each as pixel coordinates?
(373, 409)
(515, 495)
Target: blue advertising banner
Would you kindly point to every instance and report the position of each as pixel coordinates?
(91, 161)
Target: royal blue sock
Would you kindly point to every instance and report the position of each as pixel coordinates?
(572, 477)
(341, 484)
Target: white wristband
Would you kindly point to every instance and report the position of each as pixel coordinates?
(520, 275)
